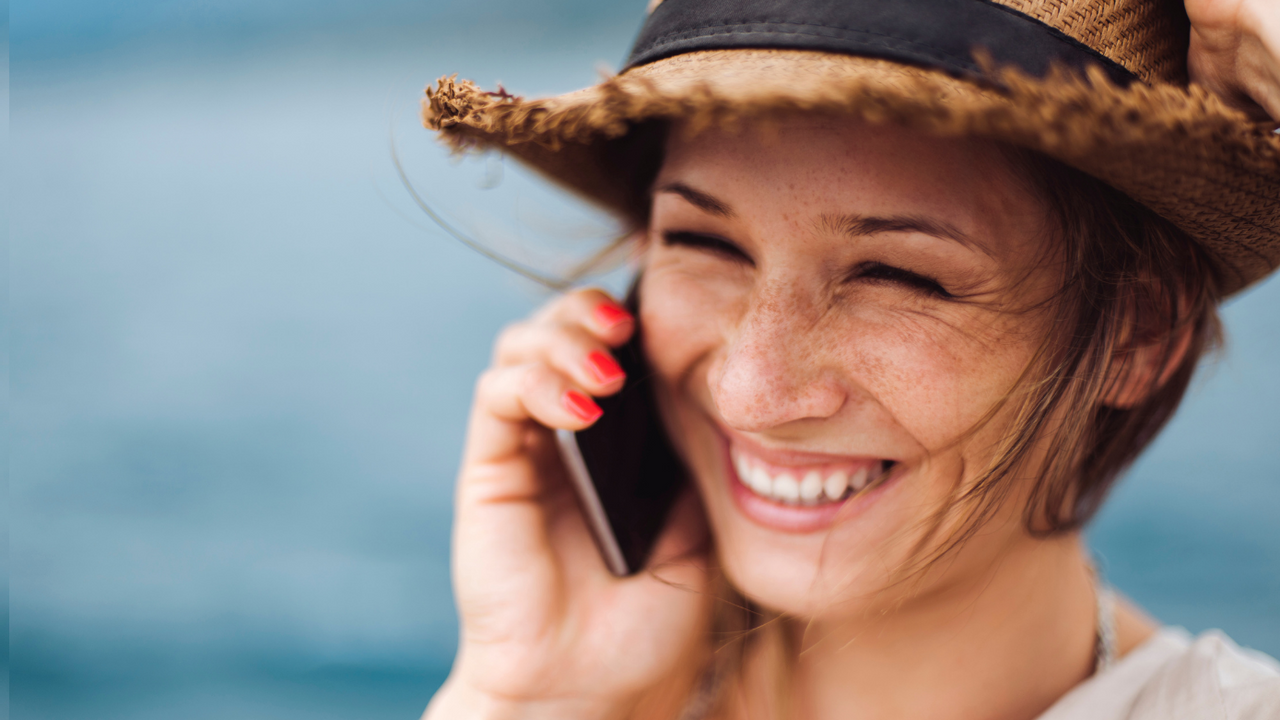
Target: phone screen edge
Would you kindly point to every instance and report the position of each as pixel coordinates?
(596, 517)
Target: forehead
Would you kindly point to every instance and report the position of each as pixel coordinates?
(818, 165)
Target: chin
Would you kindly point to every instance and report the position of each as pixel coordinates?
(794, 581)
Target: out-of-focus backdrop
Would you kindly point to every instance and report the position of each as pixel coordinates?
(240, 358)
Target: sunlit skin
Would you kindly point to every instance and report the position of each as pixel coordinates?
(826, 295)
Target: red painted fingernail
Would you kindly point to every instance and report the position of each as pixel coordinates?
(583, 407)
(604, 368)
(608, 315)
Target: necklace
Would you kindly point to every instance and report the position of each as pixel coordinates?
(1105, 634)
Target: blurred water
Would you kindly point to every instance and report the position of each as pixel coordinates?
(4, 371)
(241, 362)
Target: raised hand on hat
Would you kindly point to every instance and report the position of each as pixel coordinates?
(1235, 52)
(546, 631)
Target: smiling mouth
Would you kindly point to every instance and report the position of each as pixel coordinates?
(812, 486)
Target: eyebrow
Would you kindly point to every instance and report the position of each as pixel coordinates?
(850, 225)
(854, 225)
(707, 203)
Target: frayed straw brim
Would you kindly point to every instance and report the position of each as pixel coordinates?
(1181, 152)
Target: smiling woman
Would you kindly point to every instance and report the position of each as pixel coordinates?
(871, 308)
(904, 332)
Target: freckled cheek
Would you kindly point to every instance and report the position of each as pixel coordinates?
(936, 385)
(683, 317)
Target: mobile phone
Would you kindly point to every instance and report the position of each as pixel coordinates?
(624, 468)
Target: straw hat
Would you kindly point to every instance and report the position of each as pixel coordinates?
(1098, 84)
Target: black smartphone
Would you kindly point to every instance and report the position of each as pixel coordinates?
(623, 467)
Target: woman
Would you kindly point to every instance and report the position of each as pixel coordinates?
(918, 280)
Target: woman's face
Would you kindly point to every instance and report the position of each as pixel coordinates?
(826, 304)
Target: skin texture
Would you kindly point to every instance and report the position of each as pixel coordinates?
(1235, 52)
(781, 317)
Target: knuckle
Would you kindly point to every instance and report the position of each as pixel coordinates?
(509, 338)
(588, 298)
(533, 377)
(555, 307)
(485, 383)
(567, 335)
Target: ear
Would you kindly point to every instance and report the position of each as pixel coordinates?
(1137, 372)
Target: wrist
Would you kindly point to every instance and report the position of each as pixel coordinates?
(458, 700)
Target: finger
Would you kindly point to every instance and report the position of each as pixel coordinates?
(604, 322)
(519, 342)
(570, 350)
(508, 399)
(1261, 72)
(1229, 55)
(596, 311)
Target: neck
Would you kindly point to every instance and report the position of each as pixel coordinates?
(1002, 646)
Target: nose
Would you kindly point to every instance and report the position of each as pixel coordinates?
(773, 371)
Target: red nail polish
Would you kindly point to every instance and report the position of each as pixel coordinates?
(608, 315)
(583, 407)
(603, 368)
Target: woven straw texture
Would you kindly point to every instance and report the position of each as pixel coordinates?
(1176, 149)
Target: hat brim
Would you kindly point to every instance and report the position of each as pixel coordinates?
(1179, 151)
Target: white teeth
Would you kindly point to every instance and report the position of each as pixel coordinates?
(761, 482)
(835, 485)
(859, 480)
(786, 488)
(811, 487)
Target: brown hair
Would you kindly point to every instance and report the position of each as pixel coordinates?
(1132, 283)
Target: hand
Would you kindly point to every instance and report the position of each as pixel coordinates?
(546, 630)
(1235, 52)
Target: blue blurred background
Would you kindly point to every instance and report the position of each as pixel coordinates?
(240, 358)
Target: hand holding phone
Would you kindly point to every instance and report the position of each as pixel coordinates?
(544, 627)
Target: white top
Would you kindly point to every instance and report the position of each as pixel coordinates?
(1173, 676)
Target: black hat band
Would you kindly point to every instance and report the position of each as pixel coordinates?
(942, 34)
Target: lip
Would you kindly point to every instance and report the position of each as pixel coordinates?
(796, 519)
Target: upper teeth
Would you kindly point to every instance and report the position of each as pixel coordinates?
(807, 487)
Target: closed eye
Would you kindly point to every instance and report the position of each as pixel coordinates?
(879, 272)
(709, 243)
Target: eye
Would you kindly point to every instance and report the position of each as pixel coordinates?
(879, 272)
(709, 243)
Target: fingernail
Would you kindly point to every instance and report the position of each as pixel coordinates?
(583, 407)
(603, 368)
(609, 315)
